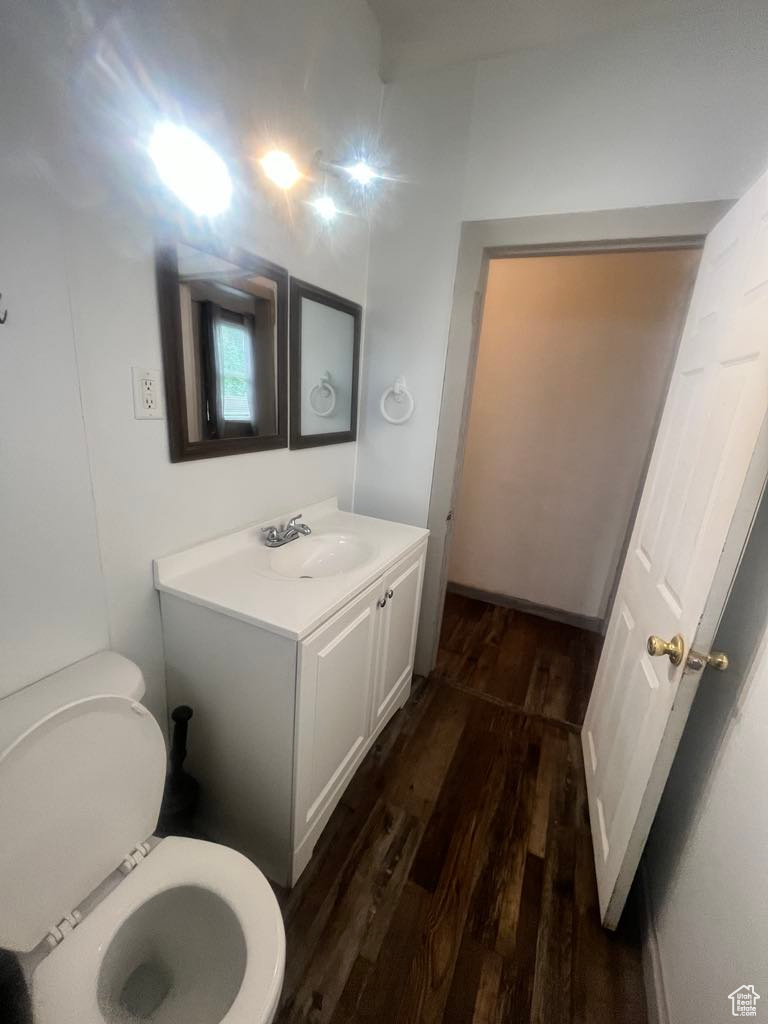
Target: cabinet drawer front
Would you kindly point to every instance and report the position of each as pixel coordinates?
(335, 667)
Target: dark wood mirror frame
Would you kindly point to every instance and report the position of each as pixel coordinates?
(167, 273)
(302, 290)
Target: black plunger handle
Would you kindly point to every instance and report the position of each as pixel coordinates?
(181, 716)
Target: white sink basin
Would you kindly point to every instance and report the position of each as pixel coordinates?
(316, 557)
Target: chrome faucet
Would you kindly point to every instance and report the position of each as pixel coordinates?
(276, 536)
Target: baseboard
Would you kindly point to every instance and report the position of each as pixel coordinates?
(589, 622)
(653, 975)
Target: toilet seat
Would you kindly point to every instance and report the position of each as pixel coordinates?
(120, 927)
(65, 984)
(80, 788)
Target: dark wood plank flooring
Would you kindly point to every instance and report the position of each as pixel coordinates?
(541, 667)
(454, 882)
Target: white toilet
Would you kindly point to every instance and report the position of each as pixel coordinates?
(115, 926)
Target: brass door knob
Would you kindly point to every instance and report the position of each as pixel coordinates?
(674, 648)
(716, 660)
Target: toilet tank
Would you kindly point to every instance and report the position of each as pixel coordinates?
(102, 673)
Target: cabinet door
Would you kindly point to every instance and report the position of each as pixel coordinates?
(399, 619)
(335, 674)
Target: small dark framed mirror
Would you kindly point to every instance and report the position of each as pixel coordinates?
(325, 361)
(224, 325)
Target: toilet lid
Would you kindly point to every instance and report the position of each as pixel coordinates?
(78, 791)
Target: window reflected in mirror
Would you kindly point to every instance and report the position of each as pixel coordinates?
(224, 325)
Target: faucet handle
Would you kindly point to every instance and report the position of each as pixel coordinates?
(292, 522)
(271, 532)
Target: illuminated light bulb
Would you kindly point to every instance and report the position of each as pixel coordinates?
(281, 169)
(361, 172)
(191, 169)
(325, 208)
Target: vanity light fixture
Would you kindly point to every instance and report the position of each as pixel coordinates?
(361, 172)
(191, 169)
(280, 168)
(325, 208)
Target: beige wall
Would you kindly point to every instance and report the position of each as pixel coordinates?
(573, 359)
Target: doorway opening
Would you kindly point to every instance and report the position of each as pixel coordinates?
(701, 489)
(571, 363)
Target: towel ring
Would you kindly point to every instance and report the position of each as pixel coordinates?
(401, 395)
(326, 386)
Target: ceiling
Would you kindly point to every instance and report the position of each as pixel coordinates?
(420, 34)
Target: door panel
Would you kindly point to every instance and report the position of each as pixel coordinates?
(398, 624)
(714, 412)
(335, 675)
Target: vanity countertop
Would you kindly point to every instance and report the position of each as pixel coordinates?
(232, 574)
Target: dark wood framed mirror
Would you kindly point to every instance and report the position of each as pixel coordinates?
(325, 364)
(224, 329)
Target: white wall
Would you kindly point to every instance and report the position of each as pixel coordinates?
(244, 73)
(52, 597)
(705, 859)
(573, 360)
(669, 114)
(424, 126)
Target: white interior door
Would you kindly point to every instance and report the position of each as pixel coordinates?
(692, 498)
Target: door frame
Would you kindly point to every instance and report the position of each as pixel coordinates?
(673, 226)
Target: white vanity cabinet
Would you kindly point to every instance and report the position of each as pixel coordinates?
(284, 714)
(353, 674)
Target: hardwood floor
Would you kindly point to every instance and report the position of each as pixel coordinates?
(539, 666)
(454, 882)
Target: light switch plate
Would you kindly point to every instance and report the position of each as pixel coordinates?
(147, 394)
